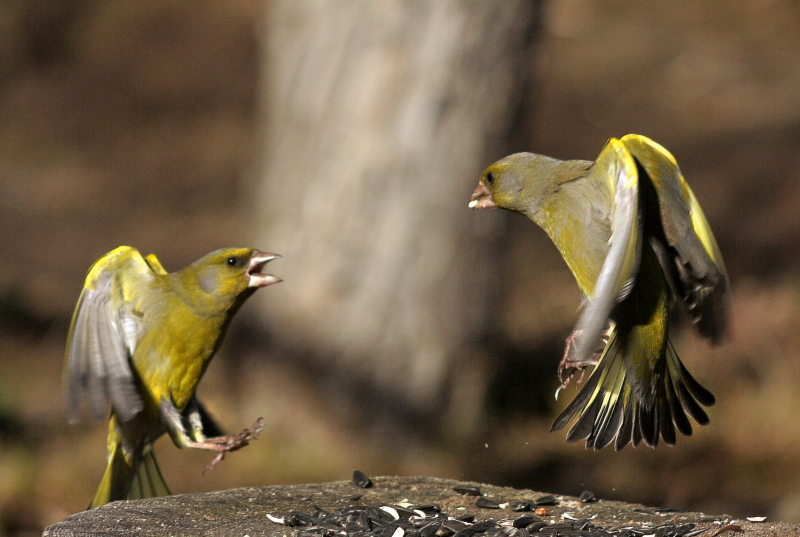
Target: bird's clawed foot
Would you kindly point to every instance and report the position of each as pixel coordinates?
(569, 366)
(228, 443)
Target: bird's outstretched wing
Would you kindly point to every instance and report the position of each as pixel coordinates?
(103, 335)
(615, 281)
(691, 258)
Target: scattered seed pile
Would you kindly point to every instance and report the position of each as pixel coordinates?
(430, 520)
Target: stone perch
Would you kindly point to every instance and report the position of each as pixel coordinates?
(399, 507)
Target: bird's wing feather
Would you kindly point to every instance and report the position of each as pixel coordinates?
(697, 272)
(103, 336)
(618, 273)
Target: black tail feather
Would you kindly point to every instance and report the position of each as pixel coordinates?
(615, 406)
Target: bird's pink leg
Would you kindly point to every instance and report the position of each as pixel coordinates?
(568, 366)
(228, 443)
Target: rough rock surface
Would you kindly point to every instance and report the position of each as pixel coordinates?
(258, 511)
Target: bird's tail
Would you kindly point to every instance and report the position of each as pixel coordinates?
(129, 475)
(629, 402)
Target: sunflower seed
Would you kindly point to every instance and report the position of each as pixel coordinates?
(455, 525)
(296, 518)
(533, 527)
(525, 521)
(392, 512)
(431, 508)
(360, 479)
(468, 490)
(486, 503)
(275, 519)
(520, 505)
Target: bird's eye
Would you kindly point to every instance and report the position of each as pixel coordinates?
(233, 261)
(489, 178)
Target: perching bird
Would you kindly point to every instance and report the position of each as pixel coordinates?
(633, 234)
(141, 339)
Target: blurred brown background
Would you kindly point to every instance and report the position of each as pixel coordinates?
(411, 335)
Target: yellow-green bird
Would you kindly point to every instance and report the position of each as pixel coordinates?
(633, 234)
(141, 339)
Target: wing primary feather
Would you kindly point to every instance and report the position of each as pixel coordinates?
(102, 337)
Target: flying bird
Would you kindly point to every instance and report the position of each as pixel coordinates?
(633, 234)
(140, 341)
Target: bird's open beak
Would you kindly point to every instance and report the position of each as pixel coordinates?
(481, 198)
(254, 270)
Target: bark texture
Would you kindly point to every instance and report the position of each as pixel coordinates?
(378, 118)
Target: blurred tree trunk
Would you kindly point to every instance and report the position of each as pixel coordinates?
(378, 118)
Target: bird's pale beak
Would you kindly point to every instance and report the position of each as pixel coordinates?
(481, 198)
(254, 270)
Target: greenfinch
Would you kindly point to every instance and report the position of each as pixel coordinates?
(141, 339)
(634, 236)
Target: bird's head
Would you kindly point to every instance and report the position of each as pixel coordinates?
(515, 182)
(232, 271)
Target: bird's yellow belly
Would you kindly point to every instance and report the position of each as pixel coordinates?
(173, 371)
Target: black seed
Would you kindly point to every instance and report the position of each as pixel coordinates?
(360, 479)
(467, 518)
(694, 532)
(562, 527)
(404, 512)
(362, 520)
(486, 503)
(296, 518)
(665, 530)
(520, 505)
(483, 525)
(455, 525)
(468, 490)
(443, 531)
(526, 520)
(630, 532)
(418, 521)
(429, 530)
(533, 527)
(548, 499)
(378, 515)
(429, 508)
(588, 496)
